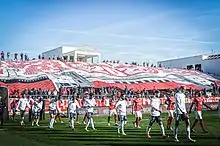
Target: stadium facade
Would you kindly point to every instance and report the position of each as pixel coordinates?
(206, 63)
(73, 54)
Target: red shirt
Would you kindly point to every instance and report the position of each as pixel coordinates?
(137, 105)
(170, 103)
(198, 101)
(112, 104)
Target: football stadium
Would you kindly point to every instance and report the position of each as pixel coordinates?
(117, 90)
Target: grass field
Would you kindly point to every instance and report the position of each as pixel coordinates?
(12, 134)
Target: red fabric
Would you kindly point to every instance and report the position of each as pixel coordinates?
(198, 103)
(171, 102)
(44, 85)
(145, 86)
(217, 83)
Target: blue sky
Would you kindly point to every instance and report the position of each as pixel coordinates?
(147, 30)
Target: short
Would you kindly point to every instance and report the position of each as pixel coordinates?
(89, 114)
(22, 113)
(112, 112)
(170, 113)
(138, 114)
(123, 118)
(52, 112)
(153, 119)
(36, 114)
(14, 110)
(181, 117)
(198, 115)
(72, 116)
(77, 111)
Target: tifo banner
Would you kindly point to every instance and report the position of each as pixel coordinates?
(102, 106)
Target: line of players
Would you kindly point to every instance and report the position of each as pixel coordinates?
(118, 107)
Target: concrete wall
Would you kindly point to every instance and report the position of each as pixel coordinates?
(66, 49)
(182, 62)
(57, 52)
(212, 66)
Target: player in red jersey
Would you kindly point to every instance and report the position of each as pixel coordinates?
(137, 106)
(13, 108)
(170, 101)
(86, 95)
(198, 101)
(59, 111)
(112, 110)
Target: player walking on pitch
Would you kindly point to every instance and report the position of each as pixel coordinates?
(22, 104)
(181, 114)
(170, 101)
(112, 111)
(137, 106)
(199, 102)
(37, 106)
(52, 112)
(89, 110)
(155, 115)
(121, 105)
(72, 107)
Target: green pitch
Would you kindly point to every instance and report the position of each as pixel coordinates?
(12, 134)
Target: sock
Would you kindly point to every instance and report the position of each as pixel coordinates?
(72, 123)
(202, 124)
(136, 121)
(109, 119)
(148, 129)
(194, 124)
(88, 123)
(84, 119)
(162, 129)
(115, 118)
(188, 131)
(122, 126)
(176, 129)
(37, 121)
(92, 123)
(51, 122)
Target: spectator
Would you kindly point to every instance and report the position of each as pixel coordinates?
(25, 57)
(42, 56)
(8, 55)
(2, 55)
(39, 56)
(22, 56)
(16, 56)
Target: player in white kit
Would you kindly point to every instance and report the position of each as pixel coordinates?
(121, 107)
(52, 112)
(181, 114)
(90, 103)
(155, 115)
(37, 106)
(22, 104)
(72, 107)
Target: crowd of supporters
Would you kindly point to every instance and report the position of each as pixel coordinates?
(105, 92)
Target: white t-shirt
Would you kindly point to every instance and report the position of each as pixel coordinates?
(37, 106)
(90, 103)
(121, 105)
(180, 103)
(22, 103)
(52, 105)
(72, 106)
(155, 106)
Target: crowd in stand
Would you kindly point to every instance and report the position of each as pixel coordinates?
(106, 92)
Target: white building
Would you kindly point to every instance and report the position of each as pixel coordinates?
(206, 63)
(83, 53)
